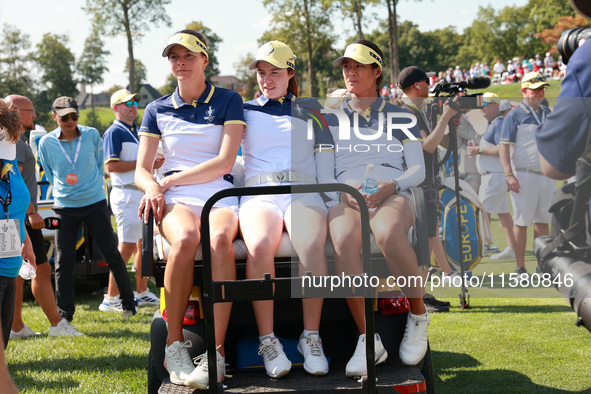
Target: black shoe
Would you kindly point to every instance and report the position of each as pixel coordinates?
(436, 308)
(429, 299)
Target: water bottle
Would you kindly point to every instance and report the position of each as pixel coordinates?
(370, 180)
(471, 143)
(27, 271)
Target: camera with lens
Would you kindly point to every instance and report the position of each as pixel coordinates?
(569, 41)
(453, 89)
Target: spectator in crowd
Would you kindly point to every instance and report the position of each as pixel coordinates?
(486, 69)
(493, 188)
(41, 284)
(72, 157)
(499, 67)
(120, 147)
(201, 141)
(15, 200)
(520, 71)
(531, 191)
(458, 76)
(392, 214)
(412, 80)
(548, 61)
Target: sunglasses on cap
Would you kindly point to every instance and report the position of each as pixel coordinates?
(539, 78)
(131, 103)
(67, 117)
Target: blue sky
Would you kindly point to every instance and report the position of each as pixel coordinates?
(239, 22)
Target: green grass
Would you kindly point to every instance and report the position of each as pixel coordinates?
(513, 91)
(505, 342)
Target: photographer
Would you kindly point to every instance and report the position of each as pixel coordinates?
(561, 140)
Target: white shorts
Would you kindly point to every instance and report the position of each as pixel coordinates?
(283, 204)
(493, 193)
(125, 204)
(198, 209)
(532, 203)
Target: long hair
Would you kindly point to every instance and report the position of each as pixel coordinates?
(10, 121)
(376, 48)
(293, 85)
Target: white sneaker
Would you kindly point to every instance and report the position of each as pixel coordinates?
(64, 329)
(146, 298)
(310, 347)
(276, 362)
(177, 362)
(357, 365)
(414, 343)
(506, 254)
(25, 332)
(199, 378)
(111, 304)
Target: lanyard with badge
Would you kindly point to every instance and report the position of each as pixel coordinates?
(534, 113)
(71, 178)
(10, 239)
(136, 139)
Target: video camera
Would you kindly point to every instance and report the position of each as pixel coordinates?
(569, 41)
(453, 89)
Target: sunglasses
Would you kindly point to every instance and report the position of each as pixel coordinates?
(537, 79)
(131, 103)
(67, 117)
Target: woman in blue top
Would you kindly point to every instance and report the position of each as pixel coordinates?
(14, 197)
(397, 157)
(276, 151)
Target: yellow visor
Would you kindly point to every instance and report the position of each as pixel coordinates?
(188, 41)
(360, 53)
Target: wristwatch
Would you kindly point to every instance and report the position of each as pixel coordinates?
(397, 186)
(479, 149)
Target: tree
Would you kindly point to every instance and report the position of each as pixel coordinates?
(93, 64)
(134, 17)
(305, 26)
(551, 36)
(355, 10)
(246, 76)
(57, 63)
(169, 86)
(212, 47)
(15, 74)
(140, 74)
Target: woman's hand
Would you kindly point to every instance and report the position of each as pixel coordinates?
(346, 198)
(385, 190)
(153, 199)
(473, 150)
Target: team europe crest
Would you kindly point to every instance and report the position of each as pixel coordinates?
(210, 114)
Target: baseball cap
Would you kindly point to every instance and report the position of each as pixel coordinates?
(504, 105)
(275, 53)
(64, 105)
(489, 97)
(533, 80)
(124, 95)
(186, 40)
(412, 74)
(361, 54)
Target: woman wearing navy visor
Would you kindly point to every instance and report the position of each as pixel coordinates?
(392, 209)
(277, 151)
(200, 128)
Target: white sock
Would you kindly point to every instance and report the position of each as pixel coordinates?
(272, 335)
(308, 332)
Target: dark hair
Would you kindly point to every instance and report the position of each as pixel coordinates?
(195, 33)
(376, 48)
(10, 120)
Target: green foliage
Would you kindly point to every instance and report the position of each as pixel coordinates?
(212, 47)
(132, 17)
(140, 74)
(15, 64)
(169, 86)
(306, 26)
(93, 63)
(57, 63)
(246, 77)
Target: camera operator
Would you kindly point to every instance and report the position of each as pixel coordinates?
(531, 191)
(561, 139)
(414, 82)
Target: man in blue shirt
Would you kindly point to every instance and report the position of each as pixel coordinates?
(72, 157)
